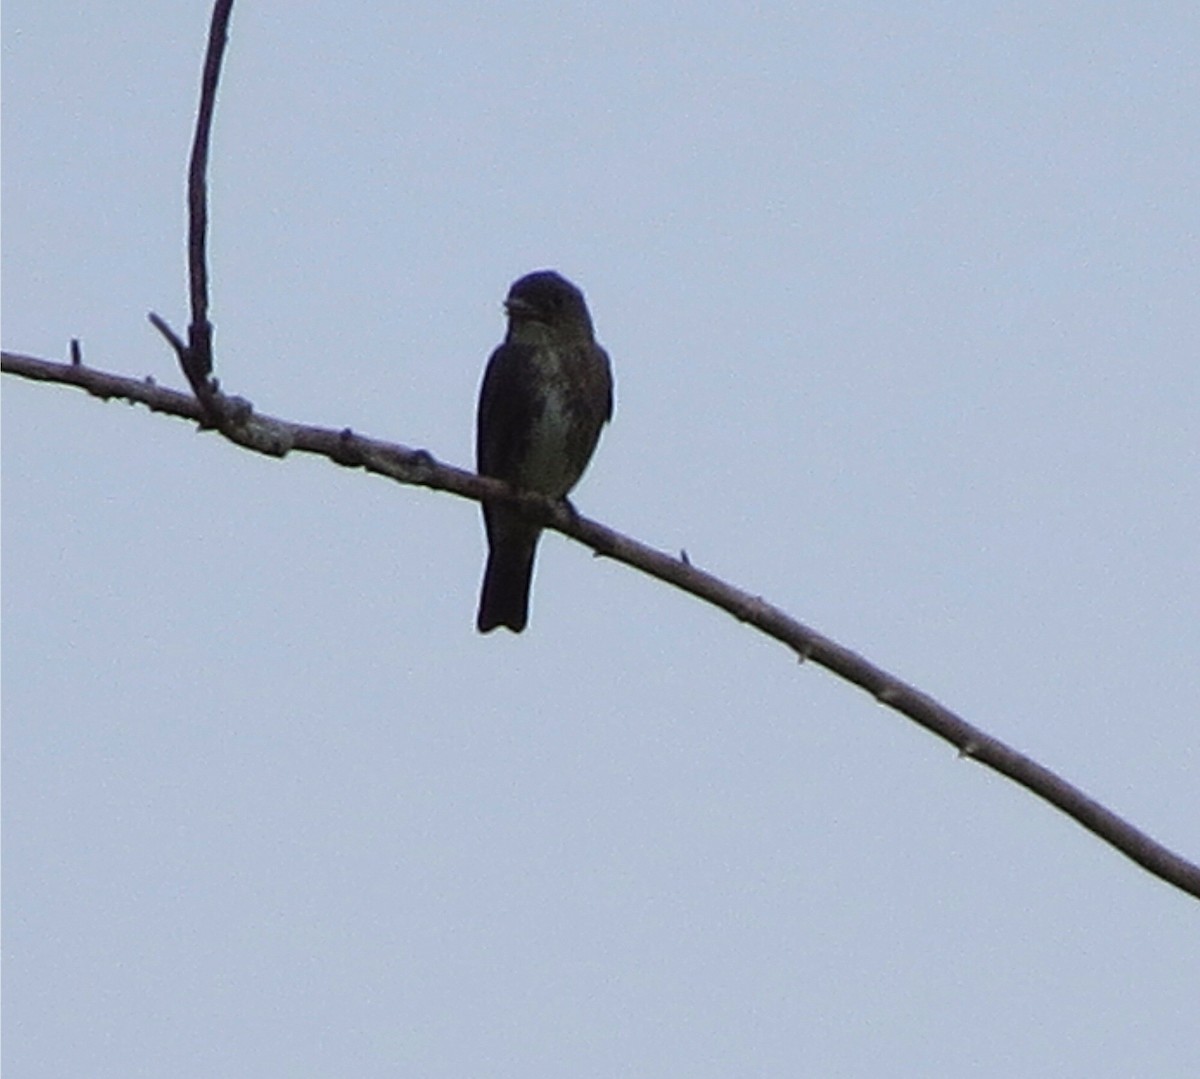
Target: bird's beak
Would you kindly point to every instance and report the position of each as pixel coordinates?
(517, 307)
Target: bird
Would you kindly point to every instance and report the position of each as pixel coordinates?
(546, 393)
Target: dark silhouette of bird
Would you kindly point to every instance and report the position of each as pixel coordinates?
(546, 393)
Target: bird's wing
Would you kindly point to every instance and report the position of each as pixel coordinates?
(505, 410)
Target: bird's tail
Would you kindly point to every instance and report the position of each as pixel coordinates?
(504, 599)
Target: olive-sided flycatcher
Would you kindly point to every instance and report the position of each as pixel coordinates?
(546, 393)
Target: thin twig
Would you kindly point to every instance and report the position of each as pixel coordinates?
(200, 331)
(196, 357)
(275, 437)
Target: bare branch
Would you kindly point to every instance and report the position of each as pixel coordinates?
(201, 331)
(237, 421)
(196, 356)
(276, 437)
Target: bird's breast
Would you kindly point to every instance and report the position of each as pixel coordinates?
(561, 437)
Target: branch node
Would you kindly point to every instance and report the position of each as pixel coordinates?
(197, 360)
(347, 451)
(888, 694)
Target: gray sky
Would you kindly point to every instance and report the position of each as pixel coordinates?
(902, 306)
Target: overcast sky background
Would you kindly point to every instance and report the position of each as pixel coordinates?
(902, 305)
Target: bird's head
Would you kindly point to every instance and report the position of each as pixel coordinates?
(548, 304)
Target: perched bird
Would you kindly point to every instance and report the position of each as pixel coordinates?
(546, 393)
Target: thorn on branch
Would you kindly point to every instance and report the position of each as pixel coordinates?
(76, 353)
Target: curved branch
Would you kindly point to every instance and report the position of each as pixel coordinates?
(275, 437)
(196, 355)
(237, 421)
